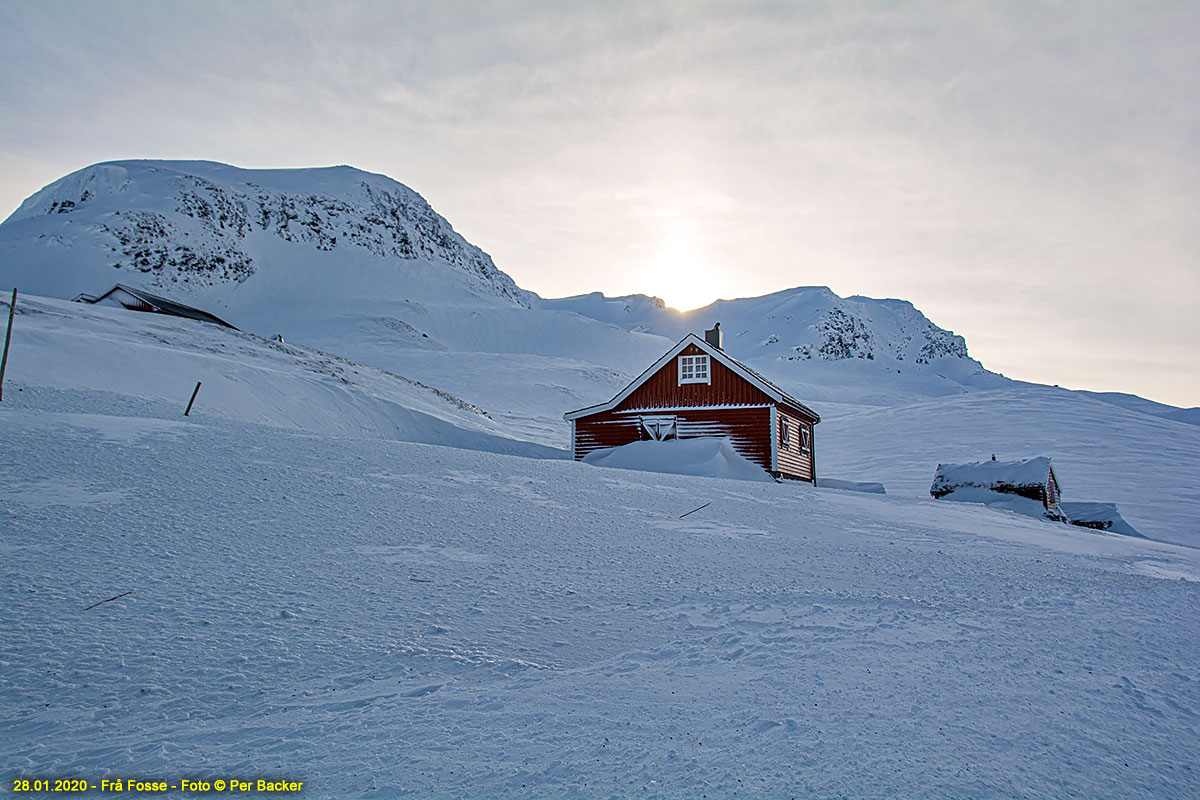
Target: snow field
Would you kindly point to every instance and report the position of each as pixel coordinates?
(1145, 464)
(383, 618)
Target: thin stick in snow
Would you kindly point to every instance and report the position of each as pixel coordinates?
(694, 510)
(195, 392)
(12, 309)
(109, 600)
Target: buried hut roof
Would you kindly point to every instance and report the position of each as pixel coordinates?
(1010, 476)
(140, 297)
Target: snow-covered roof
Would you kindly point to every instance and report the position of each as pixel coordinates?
(992, 475)
(163, 303)
(740, 369)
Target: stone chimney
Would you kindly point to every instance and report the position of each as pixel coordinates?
(715, 337)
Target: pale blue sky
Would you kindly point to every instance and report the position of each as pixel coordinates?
(1028, 174)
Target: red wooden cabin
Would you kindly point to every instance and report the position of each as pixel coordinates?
(696, 390)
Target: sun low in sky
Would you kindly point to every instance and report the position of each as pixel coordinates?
(681, 273)
(1027, 174)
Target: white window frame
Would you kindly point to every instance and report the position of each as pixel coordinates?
(805, 438)
(785, 434)
(691, 367)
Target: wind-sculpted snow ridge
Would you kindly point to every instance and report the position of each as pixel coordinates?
(114, 356)
(199, 224)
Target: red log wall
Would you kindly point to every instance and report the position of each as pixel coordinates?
(662, 390)
(794, 460)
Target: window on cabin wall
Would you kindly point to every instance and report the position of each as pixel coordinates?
(805, 438)
(694, 369)
(785, 433)
(660, 428)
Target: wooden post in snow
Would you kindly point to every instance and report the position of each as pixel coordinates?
(195, 392)
(12, 309)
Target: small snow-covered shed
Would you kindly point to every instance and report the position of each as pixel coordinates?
(698, 390)
(1032, 478)
(136, 299)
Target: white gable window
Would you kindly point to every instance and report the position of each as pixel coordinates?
(694, 369)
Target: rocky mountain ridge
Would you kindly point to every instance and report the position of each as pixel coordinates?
(801, 324)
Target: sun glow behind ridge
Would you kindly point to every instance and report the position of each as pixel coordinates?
(681, 275)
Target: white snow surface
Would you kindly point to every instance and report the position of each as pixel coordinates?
(870, 487)
(1106, 514)
(345, 566)
(707, 457)
(393, 619)
(1003, 501)
(1144, 463)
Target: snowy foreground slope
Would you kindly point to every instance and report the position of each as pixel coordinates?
(386, 619)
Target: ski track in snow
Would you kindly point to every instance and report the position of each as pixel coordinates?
(395, 619)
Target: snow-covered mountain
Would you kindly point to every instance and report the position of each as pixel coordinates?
(360, 265)
(189, 226)
(343, 260)
(793, 334)
(795, 324)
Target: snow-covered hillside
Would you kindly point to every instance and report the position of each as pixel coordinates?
(391, 619)
(329, 270)
(1146, 464)
(108, 356)
(898, 395)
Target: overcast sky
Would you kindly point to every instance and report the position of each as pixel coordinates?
(1028, 174)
